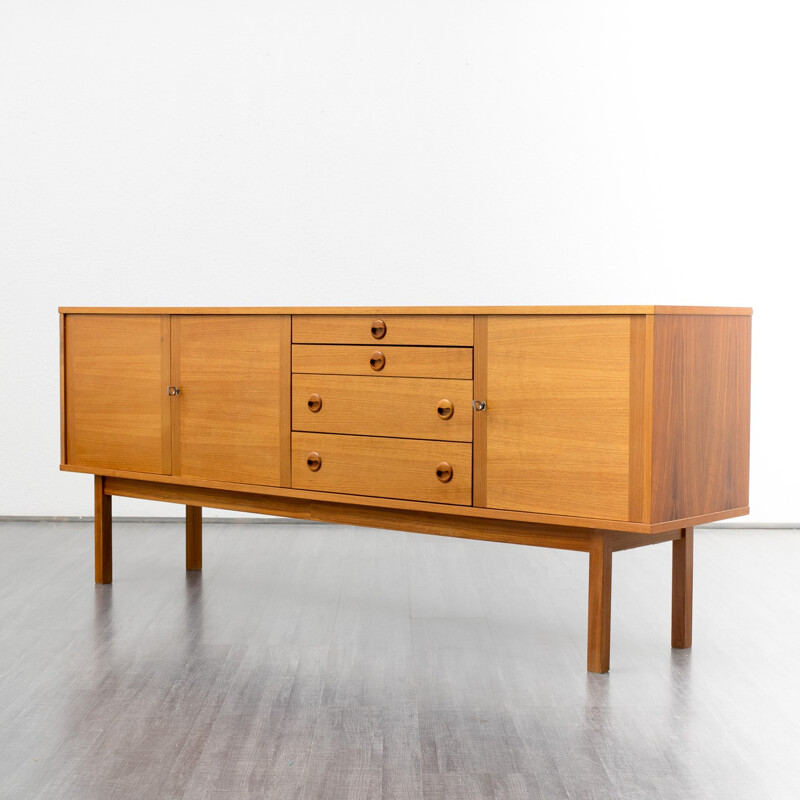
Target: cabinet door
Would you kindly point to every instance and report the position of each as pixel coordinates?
(226, 422)
(558, 421)
(116, 376)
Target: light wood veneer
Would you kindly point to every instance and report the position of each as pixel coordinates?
(430, 329)
(405, 362)
(596, 429)
(117, 407)
(559, 414)
(383, 467)
(403, 408)
(226, 419)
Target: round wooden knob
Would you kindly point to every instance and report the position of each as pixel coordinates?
(445, 409)
(314, 403)
(377, 361)
(314, 461)
(378, 328)
(444, 472)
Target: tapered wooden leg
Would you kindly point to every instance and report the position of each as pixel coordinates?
(682, 567)
(194, 537)
(599, 645)
(102, 533)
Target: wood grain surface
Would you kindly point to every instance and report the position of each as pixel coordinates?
(558, 415)
(429, 329)
(103, 565)
(117, 409)
(321, 507)
(427, 507)
(285, 401)
(682, 588)
(480, 418)
(115, 334)
(194, 538)
(394, 407)
(641, 419)
(408, 362)
(226, 420)
(62, 360)
(383, 467)
(380, 311)
(701, 415)
(599, 628)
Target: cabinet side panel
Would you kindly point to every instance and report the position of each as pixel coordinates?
(114, 392)
(228, 370)
(701, 415)
(558, 415)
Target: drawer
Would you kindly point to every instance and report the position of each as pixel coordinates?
(405, 469)
(425, 329)
(408, 362)
(410, 408)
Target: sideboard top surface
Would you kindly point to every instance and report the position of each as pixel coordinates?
(701, 310)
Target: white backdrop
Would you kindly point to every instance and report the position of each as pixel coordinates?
(313, 153)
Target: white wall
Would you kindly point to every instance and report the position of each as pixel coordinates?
(264, 153)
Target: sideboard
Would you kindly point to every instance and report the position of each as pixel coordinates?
(595, 429)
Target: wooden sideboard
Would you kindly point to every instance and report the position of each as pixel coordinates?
(596, 428)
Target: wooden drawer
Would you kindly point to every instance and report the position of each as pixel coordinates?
(407, 362)
(426, 329)
(410, 408)
(380, 467)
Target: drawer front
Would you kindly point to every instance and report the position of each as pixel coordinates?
(405, 469)
(410, 408)
(408, 362)
(425, 329)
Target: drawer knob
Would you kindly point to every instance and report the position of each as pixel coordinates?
(314, 403)
(314, 461)
(377, 361)
(378, 329)
(444, 472)
(445, 409)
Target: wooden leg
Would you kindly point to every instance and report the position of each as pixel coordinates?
(194, 537)
(599, 645)
(102, 533)
(682, 566)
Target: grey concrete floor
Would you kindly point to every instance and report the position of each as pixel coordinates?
(315, 661)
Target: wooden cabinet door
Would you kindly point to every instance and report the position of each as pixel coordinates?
(226, 421)
(558, 414)
(116, 406)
